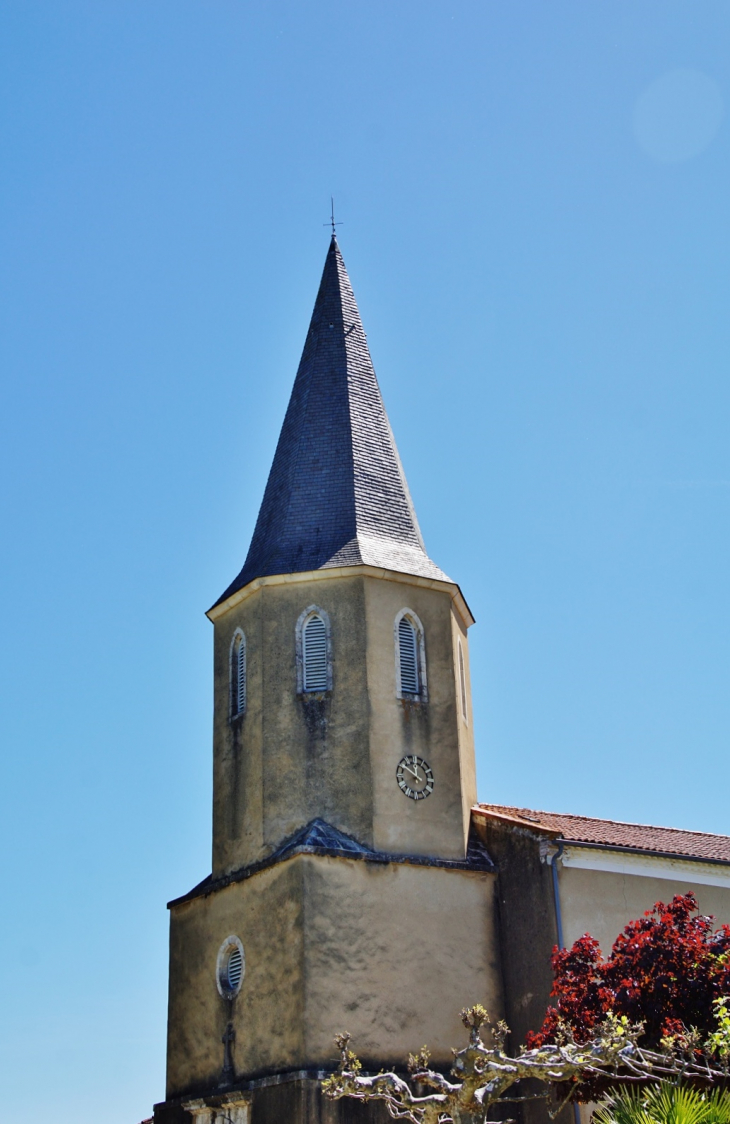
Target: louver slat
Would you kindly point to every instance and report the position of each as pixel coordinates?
(234, 970)
(241, 677)
(315, 655)
(408, 651)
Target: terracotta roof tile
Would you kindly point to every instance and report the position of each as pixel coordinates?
(612, 833)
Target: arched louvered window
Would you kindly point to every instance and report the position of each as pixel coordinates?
(314, 644)
(462, 683)
(408, 652)
(238, 674)
(314, 653)
(410, 656)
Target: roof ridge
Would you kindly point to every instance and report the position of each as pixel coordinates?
(603, 819)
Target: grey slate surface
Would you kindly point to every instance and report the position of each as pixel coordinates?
(320, 838)
(336, 494)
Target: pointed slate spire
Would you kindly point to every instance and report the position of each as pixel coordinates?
(336, 494)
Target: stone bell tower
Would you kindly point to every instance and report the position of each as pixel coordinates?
(345, 891)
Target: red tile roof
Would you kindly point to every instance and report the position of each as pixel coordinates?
(611, 833)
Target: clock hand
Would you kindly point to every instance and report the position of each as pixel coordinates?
(411, 771)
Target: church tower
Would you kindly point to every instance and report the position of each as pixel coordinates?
(346, 892)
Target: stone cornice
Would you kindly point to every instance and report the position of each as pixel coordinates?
(335, 573)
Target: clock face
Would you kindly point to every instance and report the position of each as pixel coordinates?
(414, 777)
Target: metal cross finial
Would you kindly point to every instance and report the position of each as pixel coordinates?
(332, 222)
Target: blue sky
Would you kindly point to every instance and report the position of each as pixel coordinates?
(535, 215)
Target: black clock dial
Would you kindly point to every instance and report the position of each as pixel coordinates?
(414, 777)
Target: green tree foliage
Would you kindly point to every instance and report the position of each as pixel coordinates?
(666, 1104)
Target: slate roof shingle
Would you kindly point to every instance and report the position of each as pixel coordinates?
(320, 838)
(612, 833)
(336, 494)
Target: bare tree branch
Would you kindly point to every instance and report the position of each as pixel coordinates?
(483, 1074)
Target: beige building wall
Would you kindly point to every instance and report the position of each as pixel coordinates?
(435, 731)
(389, 952)
(266, 914)
(602, 901)
(393, 952)
(280, 765)
(293, 757)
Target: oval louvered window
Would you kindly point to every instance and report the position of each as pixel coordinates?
(314, 654)
(408, 654)
(234, 969)
(230, 967)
